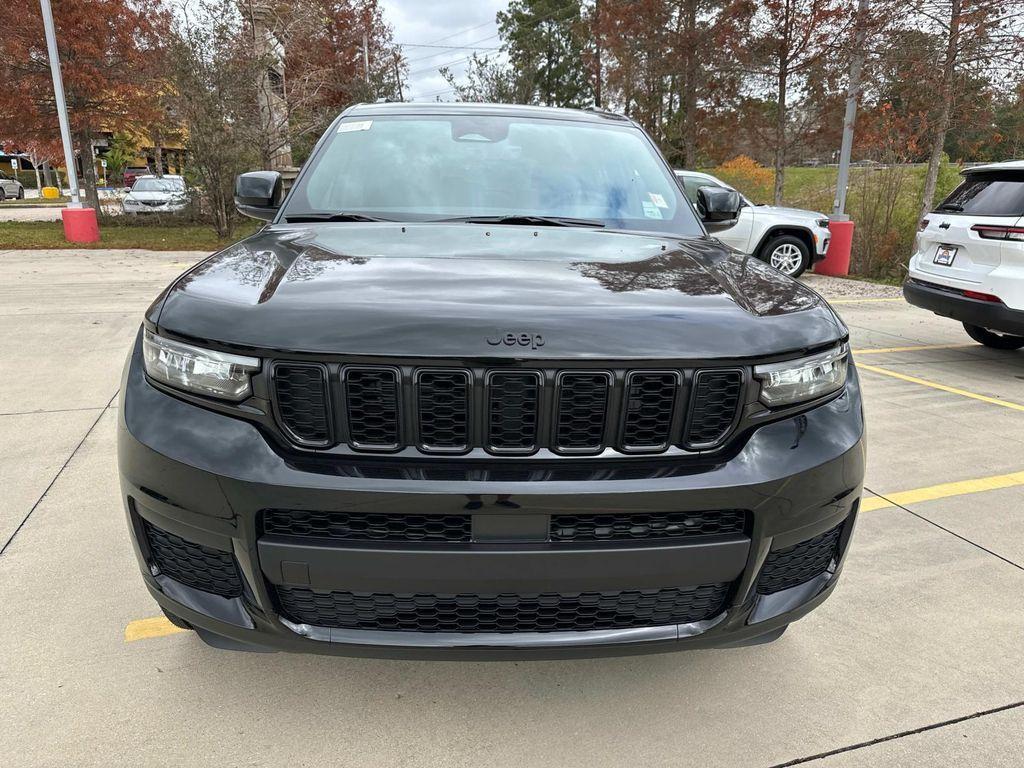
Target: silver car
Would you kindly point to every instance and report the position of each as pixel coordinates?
(10, 187)
(152, 194)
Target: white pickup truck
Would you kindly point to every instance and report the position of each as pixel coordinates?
(790, 239)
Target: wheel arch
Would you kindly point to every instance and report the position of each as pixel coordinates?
(803, 233)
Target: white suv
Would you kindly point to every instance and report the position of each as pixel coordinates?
(790, 239)
(968, 261)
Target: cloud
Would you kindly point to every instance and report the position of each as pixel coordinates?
(441, 22)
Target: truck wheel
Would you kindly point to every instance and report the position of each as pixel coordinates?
(994, 339)
(176, 620)
(788, 254)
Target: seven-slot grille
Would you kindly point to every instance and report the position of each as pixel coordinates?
(511, 412)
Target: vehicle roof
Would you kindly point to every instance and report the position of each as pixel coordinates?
(1009, 165)
(476, 108)
(154, 176)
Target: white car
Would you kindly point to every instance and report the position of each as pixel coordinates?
(790, 239)
(10, 188)
(156, 194)
(968, 261)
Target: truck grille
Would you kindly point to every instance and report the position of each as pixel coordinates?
(301, 396)
(512, 412)
(543, 612)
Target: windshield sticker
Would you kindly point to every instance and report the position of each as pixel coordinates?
(651, 211)
(657, 199)
(358, 125)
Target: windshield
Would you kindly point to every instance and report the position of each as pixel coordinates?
(990, 194)
(159, 185)
(428, 167)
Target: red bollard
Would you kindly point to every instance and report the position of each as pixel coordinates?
(837, 260)
(80, 225)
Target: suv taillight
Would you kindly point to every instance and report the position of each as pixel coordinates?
(996, 232)
(922, 225)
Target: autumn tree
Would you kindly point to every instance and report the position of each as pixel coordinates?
(980, 37)
(546, 43)
(108, 53)
(788, 57)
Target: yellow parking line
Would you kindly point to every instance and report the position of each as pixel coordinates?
(942, 387)
(886, 350)
(143, 629)
(864, 301)
(942, 491)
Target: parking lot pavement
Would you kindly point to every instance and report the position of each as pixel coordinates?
(914, 661)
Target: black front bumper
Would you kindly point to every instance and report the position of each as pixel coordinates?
(950, 302)
(204, 481)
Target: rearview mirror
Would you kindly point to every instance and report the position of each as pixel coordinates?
(258, 194)
(718, 205)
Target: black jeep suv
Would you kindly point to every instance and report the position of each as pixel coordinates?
(485, 386)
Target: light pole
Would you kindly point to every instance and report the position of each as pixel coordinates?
(837, 260)
(852, 95)
(62, 109)
(79, 223)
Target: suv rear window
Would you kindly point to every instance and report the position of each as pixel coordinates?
(989, 194)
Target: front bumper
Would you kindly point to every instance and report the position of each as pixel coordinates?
(208, 479)
(952, 303)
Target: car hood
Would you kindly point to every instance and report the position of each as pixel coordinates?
(160, 197)
(459, 290)
(778, 210)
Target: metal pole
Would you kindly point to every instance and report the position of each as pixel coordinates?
(852, 94)
(366, 57)
(62, 109)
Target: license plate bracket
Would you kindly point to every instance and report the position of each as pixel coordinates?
(944, 255)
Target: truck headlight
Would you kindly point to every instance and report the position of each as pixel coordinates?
(193, 369)
(795, 381)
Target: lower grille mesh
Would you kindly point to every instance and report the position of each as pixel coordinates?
(785, 568)
(356, 526)
(640, 527)
(194, 565)
(543, 612)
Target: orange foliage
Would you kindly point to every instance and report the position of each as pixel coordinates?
(748, 176)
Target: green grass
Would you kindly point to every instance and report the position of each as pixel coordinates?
(155, 237)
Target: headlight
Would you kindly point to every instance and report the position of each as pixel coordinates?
(795, 381)
(823, 223)
(203, 371)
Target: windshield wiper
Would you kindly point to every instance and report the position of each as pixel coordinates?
(528, 220)
(300, 217)
(950, 207)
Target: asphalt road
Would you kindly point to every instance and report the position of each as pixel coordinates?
(914, 661)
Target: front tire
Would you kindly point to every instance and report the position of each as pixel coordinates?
(994, 339)
(3, 195)
(788, 254)
(21, 193)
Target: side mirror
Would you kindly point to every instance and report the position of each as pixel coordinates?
(718, 205)
(258, 194)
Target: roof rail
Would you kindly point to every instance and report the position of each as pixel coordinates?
(605, 112)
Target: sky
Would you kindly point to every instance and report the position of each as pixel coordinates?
(461, 25)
